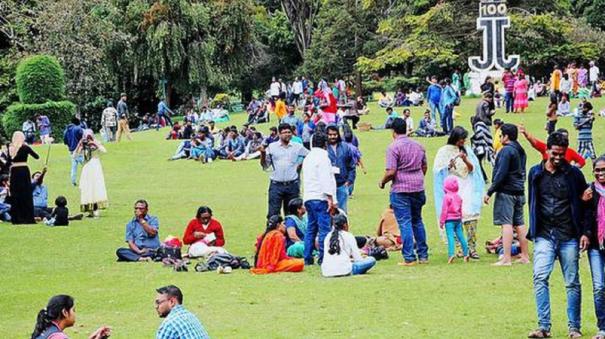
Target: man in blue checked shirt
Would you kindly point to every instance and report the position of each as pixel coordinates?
(178, 323)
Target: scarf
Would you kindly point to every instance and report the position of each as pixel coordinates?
(600, 214)
(301, 224)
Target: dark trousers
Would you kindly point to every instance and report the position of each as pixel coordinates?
(280, 194)
(42, 212)
(480, 158)
(354, 120)
(447, 119)
(126, 254)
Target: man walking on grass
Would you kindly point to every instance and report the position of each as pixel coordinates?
(557, 230)
(406, 166)
(508, 183)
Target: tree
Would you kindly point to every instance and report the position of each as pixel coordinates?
(301, 14)
(344, 32)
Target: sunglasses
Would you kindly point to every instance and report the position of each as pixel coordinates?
(599, 170)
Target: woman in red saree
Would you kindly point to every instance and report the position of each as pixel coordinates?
(271, 250)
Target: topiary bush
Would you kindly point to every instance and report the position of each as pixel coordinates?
(59, 113)
(40, 78)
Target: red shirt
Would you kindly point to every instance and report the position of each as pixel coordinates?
(196, 226)
(571, 156)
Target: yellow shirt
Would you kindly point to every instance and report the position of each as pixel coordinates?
(280, 109)
(555, 80)
(497, 143)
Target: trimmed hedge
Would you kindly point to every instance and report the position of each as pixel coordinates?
(40, 78)
(59, 113)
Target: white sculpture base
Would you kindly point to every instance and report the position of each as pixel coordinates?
(478, 78)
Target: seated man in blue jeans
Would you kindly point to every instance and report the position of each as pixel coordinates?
(141, 235)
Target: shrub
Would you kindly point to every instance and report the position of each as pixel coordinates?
(220, 98)
(59, 113)
(39, 79)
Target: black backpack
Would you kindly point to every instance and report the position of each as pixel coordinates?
(225, 259)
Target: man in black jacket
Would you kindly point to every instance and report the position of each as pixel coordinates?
(558, 231)
(508, 182)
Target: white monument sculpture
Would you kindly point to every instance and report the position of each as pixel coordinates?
(492, 21)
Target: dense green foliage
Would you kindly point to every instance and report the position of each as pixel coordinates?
(39, 79)
(194, 48)
(59, 113)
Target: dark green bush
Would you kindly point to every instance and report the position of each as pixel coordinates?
(40, 78)
(59, 113)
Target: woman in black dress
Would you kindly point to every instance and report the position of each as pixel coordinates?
(21, 191)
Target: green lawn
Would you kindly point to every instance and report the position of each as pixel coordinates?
(437, 300)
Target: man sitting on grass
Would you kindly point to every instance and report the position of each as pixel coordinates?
(141, 235)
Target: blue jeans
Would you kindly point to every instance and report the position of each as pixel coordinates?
(408, 212)
(508, 101)
(318, 222)
(447, 118)
(75, 160)
(434, 110)
(342, 194)
(546, 251)
(596, 259)
(455, 228)
(363, 266)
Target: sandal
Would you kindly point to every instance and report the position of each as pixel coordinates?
(574, 333)
(539, 333)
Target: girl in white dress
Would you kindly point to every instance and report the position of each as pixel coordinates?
(93, 195)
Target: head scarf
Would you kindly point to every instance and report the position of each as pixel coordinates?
(17, 141)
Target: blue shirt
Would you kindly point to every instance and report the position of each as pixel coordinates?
(72, 136)
(163, 108)
(136, 233)
(40, 196)
(181, 324)
(433, 94)
(344, 160)
(291, 223)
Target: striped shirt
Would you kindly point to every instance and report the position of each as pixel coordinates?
(181, 324)
(407, 158)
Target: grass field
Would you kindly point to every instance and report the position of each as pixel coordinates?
(437, 300)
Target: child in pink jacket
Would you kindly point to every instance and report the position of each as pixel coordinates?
(451, 218)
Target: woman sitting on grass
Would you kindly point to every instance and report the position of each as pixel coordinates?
(342, 256)
(271, 250)
(296, 226)
(59, 314)
(204, 234)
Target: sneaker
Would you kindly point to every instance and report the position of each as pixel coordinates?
(78, 216)
(539, 333)
(220, 270)
(574, 333)
(474, 256)
(210, 160)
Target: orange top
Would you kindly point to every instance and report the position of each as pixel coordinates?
(272, 251)
(280, 109)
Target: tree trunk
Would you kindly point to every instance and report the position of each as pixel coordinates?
(301, 14)
(204, 95)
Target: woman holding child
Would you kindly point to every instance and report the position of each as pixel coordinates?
(204, 234)
(458, 160)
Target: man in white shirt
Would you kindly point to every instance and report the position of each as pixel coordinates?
(297, 89)
(274, 89)
(320, 195)
(593, 75)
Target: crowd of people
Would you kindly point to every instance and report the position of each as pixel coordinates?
(318, 154)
